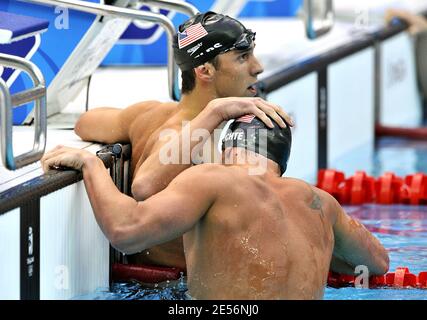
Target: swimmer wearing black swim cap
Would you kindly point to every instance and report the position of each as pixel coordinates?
(252, 134)
(207, 35)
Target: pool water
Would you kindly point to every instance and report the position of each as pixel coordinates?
(401, 229)
(403, 232)
(170, 290)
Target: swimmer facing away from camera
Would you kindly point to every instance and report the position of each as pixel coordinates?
(248, 232)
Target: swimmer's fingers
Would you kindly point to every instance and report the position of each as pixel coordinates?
(272, 111)
(262, 116)
(55, 162)
(51, 163)
(49, 155)
(70, 160)
(53, 152)
(282, 113)
(63, 157)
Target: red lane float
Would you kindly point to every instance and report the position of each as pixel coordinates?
(361, 188)
(411, 133)
(332, 181)
(416, 190)
(401, 279)
(146, 274)
(388, 189)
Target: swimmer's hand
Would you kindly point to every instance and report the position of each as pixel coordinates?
(61, 157)
(417, 23)
(233, 107)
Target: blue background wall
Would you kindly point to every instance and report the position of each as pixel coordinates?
(140, 44)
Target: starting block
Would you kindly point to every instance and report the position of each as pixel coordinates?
(19, 37)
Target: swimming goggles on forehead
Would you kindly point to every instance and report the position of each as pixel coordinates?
(205, 19)
(244, 42)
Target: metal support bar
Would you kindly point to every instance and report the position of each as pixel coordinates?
(316, 28)
(180, 6)
(23, 97)
(117, 157)
(6, 120)
(133, 14)
(40, 116)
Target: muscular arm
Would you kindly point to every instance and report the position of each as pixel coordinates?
(154, 174)
(354, 244)
(132, 226)
(109, 125)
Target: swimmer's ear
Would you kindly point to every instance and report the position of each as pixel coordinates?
(205, 72)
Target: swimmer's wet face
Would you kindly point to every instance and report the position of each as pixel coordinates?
(237, 74)
(248, 135)
(209, 35)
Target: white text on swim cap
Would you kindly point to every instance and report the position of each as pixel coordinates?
(215, 46)
(234, 136)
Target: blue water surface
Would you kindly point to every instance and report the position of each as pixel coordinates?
(403, 232)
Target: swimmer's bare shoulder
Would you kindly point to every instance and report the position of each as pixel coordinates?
(110, 125)
(208, 178)
(354, 244)
(208, 171)
(313, 197)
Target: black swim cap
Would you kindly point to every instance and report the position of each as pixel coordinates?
(206, 35)
(252, 134)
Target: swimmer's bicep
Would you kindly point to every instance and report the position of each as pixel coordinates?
(175, 210)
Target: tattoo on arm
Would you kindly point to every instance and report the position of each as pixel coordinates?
(316, 203)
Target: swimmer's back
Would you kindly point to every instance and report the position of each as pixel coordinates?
(265, 237)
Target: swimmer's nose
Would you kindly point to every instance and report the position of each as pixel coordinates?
(257, 67)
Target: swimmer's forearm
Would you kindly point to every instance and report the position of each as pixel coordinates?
(360, 247)
(113, 210)
(155, 173)
(133, 226)
(342, 267)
